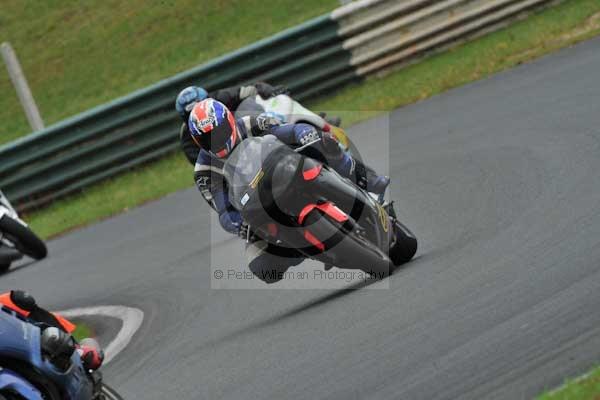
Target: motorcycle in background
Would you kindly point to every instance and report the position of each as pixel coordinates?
(16, 237)
(40, 362)
(291, 112)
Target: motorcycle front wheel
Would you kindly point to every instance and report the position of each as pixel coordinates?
(23, 238)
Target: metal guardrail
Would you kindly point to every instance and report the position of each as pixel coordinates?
(353, 41)
(419, 26)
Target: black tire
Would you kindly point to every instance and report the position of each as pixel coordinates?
(3, 268)
(354, 251)
(406, 245)
(24, 239)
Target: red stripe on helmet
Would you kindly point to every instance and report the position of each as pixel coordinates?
(232, 140)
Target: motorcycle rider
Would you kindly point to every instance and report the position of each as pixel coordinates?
(216, 132)
(231, 97)
(25, 305)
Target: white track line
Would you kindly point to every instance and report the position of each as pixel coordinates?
(131, 317)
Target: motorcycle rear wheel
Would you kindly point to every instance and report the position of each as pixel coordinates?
(23, 238)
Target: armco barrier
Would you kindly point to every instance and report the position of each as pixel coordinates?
(353, 41)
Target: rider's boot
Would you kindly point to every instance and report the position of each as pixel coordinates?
(369, 180)
(389, 208)
(335, 121)
(346, 165)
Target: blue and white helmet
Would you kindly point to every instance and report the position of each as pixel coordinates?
(187, 98)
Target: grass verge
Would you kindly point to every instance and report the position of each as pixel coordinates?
(79, 54)
(584, 388)
(82, 331)
(115, 195)
(554, 28)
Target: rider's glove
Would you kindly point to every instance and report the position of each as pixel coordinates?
(91, 354)
(331, 146)
(243, 232)
(267, 120)
(231, 221)
(267, 91)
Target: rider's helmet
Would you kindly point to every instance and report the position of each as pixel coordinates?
(213, 127)
(23, 300)
(187, 98)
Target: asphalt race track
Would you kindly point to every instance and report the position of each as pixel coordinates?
(500, 180)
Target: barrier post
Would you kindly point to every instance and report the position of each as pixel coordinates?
(22, 88)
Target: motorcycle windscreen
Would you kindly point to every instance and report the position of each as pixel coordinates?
(243, 169)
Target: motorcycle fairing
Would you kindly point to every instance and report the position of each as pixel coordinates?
(13, 383)
(282, 192)
(20, 340)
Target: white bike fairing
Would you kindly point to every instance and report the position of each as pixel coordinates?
(291, 110)
(7, 209)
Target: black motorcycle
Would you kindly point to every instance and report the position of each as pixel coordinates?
(290, 199)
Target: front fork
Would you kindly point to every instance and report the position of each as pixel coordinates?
(6, 209)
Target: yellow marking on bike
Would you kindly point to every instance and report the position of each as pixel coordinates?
(341, 136)
(383, 217)
(257, 179)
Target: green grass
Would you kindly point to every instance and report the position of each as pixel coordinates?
(79, 54)
(82, 331)
(131, 189)
(585, 388)
(557, 27)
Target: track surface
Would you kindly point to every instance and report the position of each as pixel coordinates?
(500, 181)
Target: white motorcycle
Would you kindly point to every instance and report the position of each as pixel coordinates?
(16, 237)
(291, 112)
